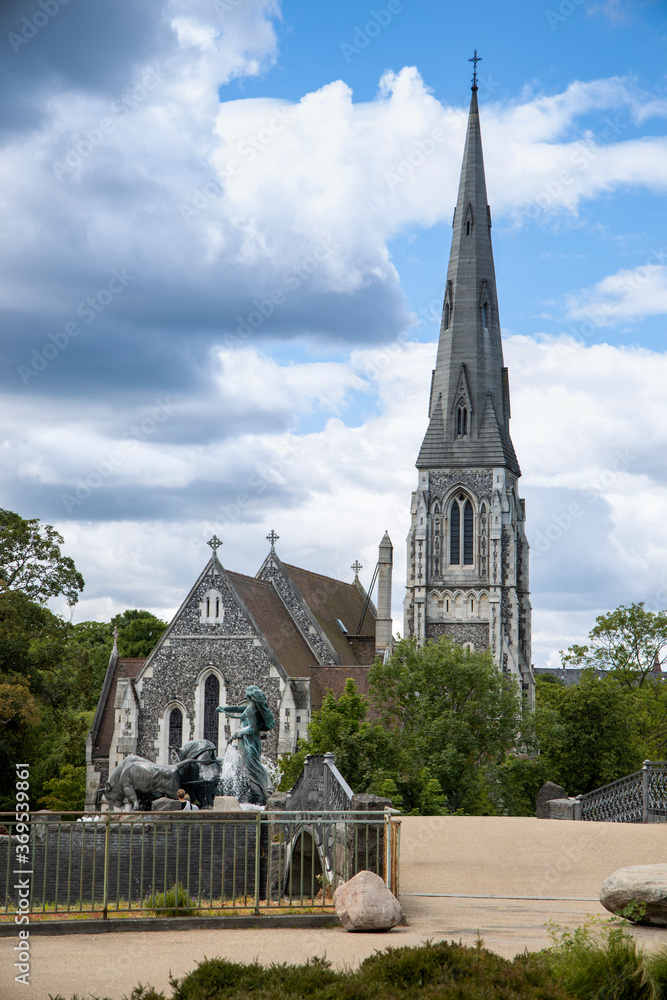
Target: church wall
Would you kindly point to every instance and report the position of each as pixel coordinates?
(211, 631)
(476, 633)
(175, 675)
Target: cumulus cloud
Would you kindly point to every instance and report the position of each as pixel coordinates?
(595, 481)
(252, 218)
(630, 294)
(159, 239)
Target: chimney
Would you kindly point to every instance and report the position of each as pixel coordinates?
(383, 623)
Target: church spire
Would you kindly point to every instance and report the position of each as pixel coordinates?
(470, 426)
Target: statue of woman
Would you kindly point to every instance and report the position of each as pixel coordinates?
(256, 718)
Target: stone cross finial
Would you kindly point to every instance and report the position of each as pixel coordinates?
(356, 566)
(115, 637)
(273, 538)
(474, 60)
(215, 543)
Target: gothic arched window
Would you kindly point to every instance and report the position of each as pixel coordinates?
(461, 420)
(176, 728)
(468, 227)
(468, 534)
(446, 315)
(461, 532)
(211, 608)
(211, 702)
(485, 315)
(455, 534)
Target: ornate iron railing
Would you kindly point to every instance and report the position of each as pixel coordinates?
(638, 798)
(146, 864)
(320, 786)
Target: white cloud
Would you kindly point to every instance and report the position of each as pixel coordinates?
(629, 294)
(595, 480)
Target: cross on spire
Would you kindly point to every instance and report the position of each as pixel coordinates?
(215, 543)
(356, 566)
(273, 538)
(474, 60)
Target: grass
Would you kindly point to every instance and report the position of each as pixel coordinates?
(243, 905)
(599, 961)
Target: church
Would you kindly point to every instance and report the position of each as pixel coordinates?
(294, 633)
(298, 634)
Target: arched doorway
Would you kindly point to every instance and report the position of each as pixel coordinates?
(305, 871)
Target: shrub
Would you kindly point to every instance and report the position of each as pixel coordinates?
(175, 902)
(601, 961)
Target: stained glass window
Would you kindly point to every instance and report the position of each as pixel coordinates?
(467, 534)
(454, 535)
(176, 728)
(211, 702)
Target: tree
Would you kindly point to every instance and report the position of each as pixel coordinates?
(589, 733)
(67, 791)
(628, 641)
(39, 681)
(455, 715)
(31, 560)
(362, 750)
(138, 632)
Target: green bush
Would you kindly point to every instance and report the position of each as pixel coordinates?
(601, 961)
(443, 971)
(175, 902)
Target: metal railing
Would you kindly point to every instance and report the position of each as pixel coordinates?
(637, 798)
(188, 863)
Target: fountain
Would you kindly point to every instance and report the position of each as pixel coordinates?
(244, 770)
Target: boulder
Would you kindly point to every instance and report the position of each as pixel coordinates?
(226, 804)
(642, 885)
(549, 790)
(165, 804)
(366, 904)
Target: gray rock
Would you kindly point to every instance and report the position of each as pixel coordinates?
(277, 801)
(165, 804)
(226, 804)
(560, 808)
(639, 884)
(366, 904)
(549, 790)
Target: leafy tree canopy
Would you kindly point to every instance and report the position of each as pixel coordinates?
(628, 641)
(456, 714)
(588, 733)
(31, 560)
(448, 721)
(138, 632)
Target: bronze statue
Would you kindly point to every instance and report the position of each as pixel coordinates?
(257, 720)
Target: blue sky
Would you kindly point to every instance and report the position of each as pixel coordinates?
(224, 235)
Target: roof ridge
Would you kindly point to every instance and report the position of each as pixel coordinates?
(322, 576)
(246, 576)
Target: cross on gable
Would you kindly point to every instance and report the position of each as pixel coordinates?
(273, 538)
(474, 60)
(215, 543)
(356, 566)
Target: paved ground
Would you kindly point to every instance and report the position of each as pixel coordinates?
(445, 863)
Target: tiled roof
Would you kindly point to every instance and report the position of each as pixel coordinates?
(330, 599)
(333, 679)
(126, 667)
(274, 621)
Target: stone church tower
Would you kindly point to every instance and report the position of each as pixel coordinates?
(467, 567)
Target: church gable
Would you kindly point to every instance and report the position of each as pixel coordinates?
(273, 571)
(212, 608)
